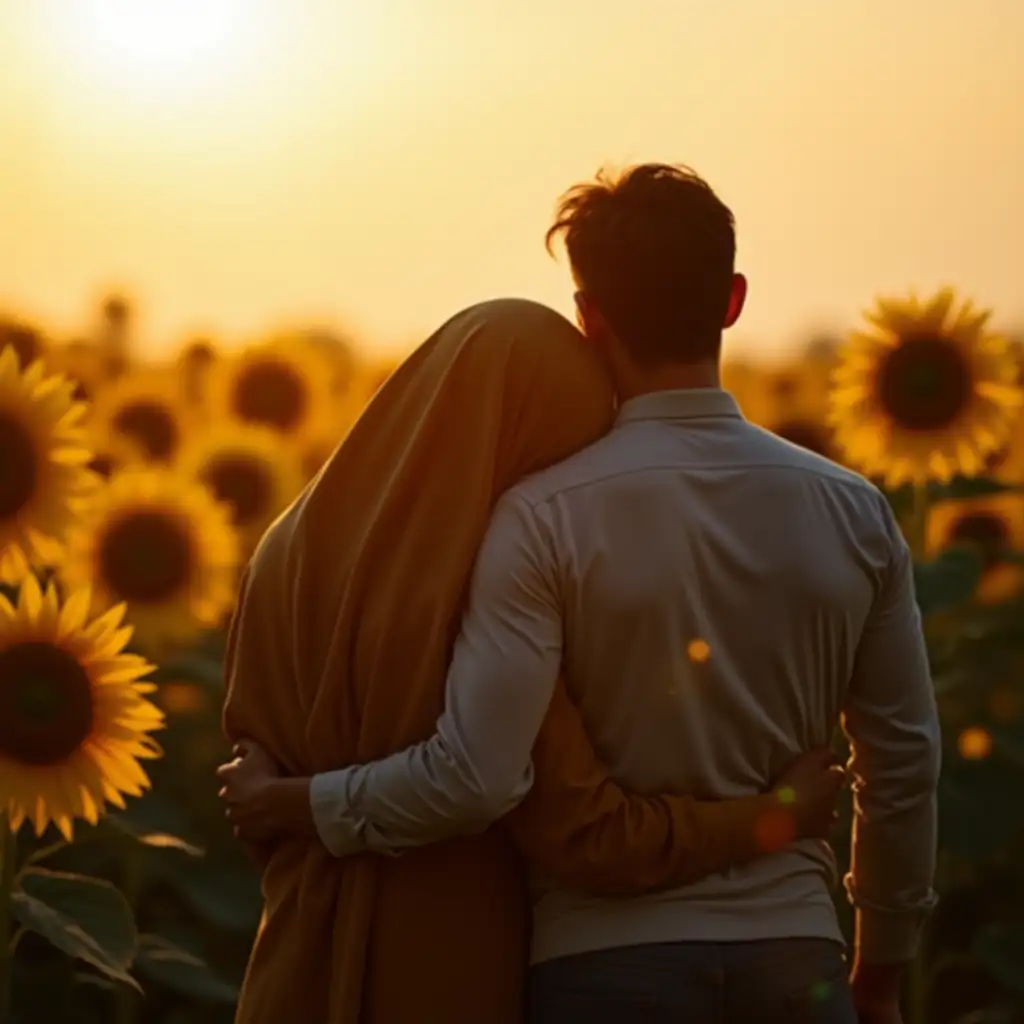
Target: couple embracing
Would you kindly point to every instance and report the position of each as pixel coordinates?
(533, 687)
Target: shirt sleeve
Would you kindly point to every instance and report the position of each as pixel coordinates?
(476, 767)
(892, 724)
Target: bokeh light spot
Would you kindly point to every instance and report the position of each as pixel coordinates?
(698, 650)
(975, 743)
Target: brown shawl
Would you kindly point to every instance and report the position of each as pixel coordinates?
(338, 653)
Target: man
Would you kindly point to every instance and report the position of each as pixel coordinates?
(719, 598)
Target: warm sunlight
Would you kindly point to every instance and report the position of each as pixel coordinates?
(175, 41)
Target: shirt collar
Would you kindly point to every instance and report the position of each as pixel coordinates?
(688, 404)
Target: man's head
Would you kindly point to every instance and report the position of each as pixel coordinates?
(652, 252)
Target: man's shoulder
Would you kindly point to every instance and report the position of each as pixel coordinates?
(774, 451)
(605, 458)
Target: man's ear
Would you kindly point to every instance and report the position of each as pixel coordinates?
(737, 299)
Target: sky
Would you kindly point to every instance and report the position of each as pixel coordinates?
(240, 165)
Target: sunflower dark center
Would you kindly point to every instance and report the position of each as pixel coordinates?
(925, 383)
(806, 434)
(997, 458)
(241, 482)
(19, 469)
(152, 426)
(146, 557)
(271, 393)
(985, 532)
(25, 342)
(785, 386)
(45, 704)
(104, 465)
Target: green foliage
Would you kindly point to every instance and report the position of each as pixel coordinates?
(973, 953)
(87, 918)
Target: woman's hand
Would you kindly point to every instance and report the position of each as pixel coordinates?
(261, 805)
(245, 783)
(809, 790)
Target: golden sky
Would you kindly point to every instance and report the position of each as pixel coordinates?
(381, 164)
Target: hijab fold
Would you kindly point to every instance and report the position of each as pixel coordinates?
(338, 653)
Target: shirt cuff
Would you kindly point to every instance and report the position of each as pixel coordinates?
(887, 937)
(339, 828)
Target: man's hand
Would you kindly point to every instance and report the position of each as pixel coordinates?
(810, 789)
(245, 783)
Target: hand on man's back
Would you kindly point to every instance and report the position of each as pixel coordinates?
(810, 789)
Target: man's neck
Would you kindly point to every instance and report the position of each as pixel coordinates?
(634, 382)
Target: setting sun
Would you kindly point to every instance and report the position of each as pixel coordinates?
(175, 41)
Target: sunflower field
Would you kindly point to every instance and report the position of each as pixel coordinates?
(131, 493)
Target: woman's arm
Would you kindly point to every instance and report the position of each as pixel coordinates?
(578, 826)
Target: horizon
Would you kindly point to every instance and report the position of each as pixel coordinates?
(373, 170)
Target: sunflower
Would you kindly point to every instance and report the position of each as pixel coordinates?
(43, 480)
(84, 364)
(927, 394)
(26, 341)
(73, 718)
(992, 525)
(814, 435)
(340, 351)
(747, 383)
(147, 410)
(283, 384)
(249, 470)
(195, 362)
(163, 545)
(114, 456)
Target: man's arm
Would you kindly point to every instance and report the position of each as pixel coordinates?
(476, 767)
(892, 724)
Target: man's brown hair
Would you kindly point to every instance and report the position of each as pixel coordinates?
(654, 249)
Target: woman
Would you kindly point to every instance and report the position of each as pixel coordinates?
(338, 653)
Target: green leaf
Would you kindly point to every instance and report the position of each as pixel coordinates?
(192, 668)
(1000, 947)
(167, 964)
(948, 581)
(87, 918)
(220, 894)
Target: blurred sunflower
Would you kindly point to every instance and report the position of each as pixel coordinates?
(928, 394)
(26, 341)
(340, 351)
(146, 410)
(73, 718)
(249, 470)
(284, 385)
(44, 484)
(799, 391)
(993, 526)
(814, 435)
(115, 455)
(195, 363)
(162, 544)
(747, 383)
(83, 364)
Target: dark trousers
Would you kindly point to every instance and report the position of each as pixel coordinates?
(780, 981)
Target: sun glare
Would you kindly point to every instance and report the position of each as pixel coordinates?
(169, 39)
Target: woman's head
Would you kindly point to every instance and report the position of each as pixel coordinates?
(509, 379)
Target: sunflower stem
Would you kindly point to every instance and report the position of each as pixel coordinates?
(917, 528)
(7, 874)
